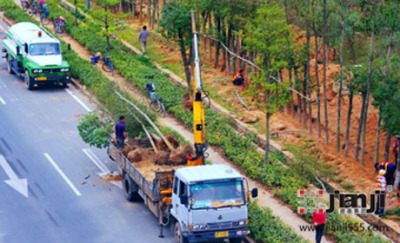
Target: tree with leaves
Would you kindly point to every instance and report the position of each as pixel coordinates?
(176, 25)
(266, 34)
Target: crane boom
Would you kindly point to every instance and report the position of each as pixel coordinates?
(200, 143)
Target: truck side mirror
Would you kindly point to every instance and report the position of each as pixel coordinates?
(18, 51)
(184, 200)
(254, 192)
(26, 47)
(69, 47)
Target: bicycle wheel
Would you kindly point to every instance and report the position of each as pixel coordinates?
(154, 106)
(162, 109)
(106, 67)
(61, 31)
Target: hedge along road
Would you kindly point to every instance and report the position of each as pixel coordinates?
(265, 200)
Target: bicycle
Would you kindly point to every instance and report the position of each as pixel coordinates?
(59, 28)
(156, 103)
(107, 66)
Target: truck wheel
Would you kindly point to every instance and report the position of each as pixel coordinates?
(9, 69)
(130, 189)
(179, 238)
(28, 81)
(235, 240)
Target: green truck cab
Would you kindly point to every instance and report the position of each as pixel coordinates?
(35, 54)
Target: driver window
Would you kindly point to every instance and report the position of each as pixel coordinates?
(176, 185)
(182, 189)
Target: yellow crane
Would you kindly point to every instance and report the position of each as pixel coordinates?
(200, 143)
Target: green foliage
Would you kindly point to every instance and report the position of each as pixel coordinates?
(393, 212)
(93, 131)
(219, 131)
(265, 227)
(176, 22)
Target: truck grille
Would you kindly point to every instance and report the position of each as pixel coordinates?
(223, 225)
(53, 70)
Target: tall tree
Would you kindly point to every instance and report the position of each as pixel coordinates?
(176, 25)
(267, 39)
(369, 78)
(324, 61)
(390, 11)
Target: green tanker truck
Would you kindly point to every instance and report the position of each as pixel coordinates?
(35, 54)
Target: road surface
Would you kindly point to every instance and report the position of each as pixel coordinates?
(49, 183)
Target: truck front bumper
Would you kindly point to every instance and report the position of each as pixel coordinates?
(216, 235)
(56, 80)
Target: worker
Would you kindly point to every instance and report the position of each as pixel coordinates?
(143, 38)
(319, 219)
(381, 187)
(95, 58)
(120, 132)
(396, 147)
(238, 79)
(389, 169)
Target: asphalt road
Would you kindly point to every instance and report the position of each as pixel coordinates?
(65, 200)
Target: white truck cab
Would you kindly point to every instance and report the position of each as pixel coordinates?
(210, 202)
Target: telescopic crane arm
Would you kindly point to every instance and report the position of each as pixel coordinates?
(200, 143)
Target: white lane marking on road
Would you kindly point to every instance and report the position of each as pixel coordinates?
(62, 174)
(99, 164)
(20, 185)
(78, 100)
(2, 101)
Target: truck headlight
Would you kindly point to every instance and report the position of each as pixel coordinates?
(240, 223)
(197, 227)
(37, 70)
(64, 70)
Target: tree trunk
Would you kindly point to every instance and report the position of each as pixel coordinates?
(324, 81)
(141, 12)
(378, 133)
(308, 71)
(346, 147)
(281, 80)
(210, 31)
(185, 60)
(158, 12)
(341, 78)
(266, 160)
(204, 31)
(292, 93)
(357, 148)
(296, 80)
(304, 107)
(369, 77)
(148, 12)
(153, 19)
(218, 44)
(387, 145)
(318, 88)
(228, 56)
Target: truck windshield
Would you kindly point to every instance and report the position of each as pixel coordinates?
(44, 49)
(217, 194)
